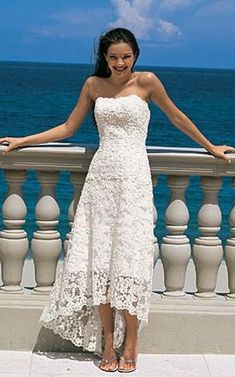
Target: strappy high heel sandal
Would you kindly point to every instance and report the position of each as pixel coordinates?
(127, 362)
(105, 362)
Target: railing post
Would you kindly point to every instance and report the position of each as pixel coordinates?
(46, 242)
(175, 249)
(230, 252)
(207, 249)
(156, 246)
(14, 243)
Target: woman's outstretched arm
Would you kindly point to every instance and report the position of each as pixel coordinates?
(158, 95)
(59, 132)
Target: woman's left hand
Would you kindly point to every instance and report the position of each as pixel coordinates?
(219, 151)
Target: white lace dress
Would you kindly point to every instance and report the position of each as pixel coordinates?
(110, 252)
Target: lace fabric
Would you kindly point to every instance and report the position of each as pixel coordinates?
(110, 250)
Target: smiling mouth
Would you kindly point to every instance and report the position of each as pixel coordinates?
(120, 69)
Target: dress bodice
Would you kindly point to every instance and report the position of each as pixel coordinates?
(122, 120)
(122, 124)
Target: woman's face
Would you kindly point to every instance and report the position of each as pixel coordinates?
(120, 58)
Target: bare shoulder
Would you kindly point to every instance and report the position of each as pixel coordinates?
(87, 92)
(93, 83)
(147, 78)
(88, 86)
(89, 83)
(93, 80)
(152, 85)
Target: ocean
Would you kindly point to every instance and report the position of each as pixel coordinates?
(37, 96)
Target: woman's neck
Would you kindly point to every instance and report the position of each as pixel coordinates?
(117, 81)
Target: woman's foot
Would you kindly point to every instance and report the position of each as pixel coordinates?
(126, 365)
(109, 360)
(128, 359)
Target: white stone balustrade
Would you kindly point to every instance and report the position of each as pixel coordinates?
(175, 249)
(13, 240)
(46, 243)
(156, 245)
(207, 249)
(173, 254)
(230, 251)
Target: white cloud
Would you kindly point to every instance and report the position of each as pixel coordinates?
(142, 17)
(133, 15)
(168, 29)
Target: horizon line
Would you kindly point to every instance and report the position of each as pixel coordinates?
(137, 65)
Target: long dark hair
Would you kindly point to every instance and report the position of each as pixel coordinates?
(112, 36)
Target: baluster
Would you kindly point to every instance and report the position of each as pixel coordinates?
(46, 242)
(14, 243)
(175, 249)
(77, 180)
(155, 216)
(230, 252)
(207, 249)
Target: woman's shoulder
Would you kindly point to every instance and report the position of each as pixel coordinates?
(148, 80)
(145, 77)
(91, 80)
(91, 84)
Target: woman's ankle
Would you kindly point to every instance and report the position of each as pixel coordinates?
(108, 342)
(108, 337)
(131, 344)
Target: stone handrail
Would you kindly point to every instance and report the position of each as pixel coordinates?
(175, 253)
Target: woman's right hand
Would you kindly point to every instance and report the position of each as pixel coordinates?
(11, 142)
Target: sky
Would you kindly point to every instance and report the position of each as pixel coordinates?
(184, 33)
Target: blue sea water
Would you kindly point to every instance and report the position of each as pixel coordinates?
(37, 96)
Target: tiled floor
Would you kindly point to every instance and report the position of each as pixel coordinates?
(27, 364)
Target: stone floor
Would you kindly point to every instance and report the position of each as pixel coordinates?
(28, 364)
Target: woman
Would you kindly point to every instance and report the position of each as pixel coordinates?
(101, 296)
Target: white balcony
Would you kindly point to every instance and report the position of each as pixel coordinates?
(193, 302)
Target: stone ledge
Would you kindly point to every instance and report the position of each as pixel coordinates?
(176, 325)
(76, 157)
(159, 302)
